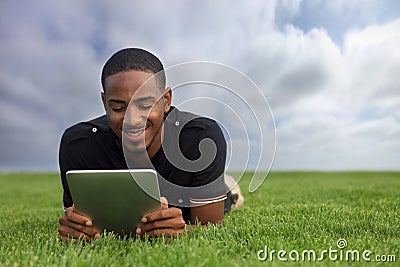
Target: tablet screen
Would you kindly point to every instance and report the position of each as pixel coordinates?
(113, 199)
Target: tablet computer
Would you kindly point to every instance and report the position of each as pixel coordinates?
(115, 200)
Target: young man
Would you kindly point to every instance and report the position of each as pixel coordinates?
(139, 121)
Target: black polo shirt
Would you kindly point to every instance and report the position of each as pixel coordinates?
(92, 145)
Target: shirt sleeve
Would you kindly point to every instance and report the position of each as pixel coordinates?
(69, 160)
(208, 185)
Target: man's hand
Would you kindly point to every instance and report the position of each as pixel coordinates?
(167, 221)
(74, 226)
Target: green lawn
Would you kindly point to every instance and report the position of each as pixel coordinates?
(291, 211)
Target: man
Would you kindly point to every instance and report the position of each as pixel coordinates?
(138, 123)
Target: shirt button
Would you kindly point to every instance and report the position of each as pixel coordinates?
(177, 123)
(94, 129)
(180, 200)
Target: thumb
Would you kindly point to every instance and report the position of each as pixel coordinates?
(69, 210)
(164, 203)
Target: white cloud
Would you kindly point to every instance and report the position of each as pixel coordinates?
(351, 121)
(336, 105)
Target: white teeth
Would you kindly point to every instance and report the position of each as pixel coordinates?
(135, 134)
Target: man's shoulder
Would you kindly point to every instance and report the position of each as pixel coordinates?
(189, 120)
(192, 128)
(84, 129)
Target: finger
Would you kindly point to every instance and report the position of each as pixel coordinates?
(164, 203)
(173, 223)
(164, 206)
(161, 215)
(88, 230)
(74, 216)
(70, 232)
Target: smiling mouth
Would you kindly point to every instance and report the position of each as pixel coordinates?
(130, 133)
(136, 134)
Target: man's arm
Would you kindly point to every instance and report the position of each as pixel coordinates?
(169, 221)
(72, 224)
(209, 213)
(208, 185)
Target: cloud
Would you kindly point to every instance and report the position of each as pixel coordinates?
(339, 16)
(352, 121)
(49, 79)
(335, 100)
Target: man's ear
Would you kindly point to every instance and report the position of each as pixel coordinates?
(167, 99)
(103, 99)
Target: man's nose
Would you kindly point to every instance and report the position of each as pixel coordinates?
(135, 117)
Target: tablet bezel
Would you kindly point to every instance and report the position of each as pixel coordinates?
(103, 196)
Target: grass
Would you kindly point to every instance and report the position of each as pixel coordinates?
(291, 211)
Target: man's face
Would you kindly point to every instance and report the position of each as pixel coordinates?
(143, 114)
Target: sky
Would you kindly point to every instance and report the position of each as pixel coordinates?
(328, 69)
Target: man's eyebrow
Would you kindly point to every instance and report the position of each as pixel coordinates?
(142, 99)
(136, 100)
(117, 101)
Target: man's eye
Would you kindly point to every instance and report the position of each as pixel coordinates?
(117, 109)
(145, 106)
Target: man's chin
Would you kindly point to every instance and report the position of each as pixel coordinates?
(134, 149)
(136, 157)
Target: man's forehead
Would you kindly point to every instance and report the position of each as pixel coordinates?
(132, 84)
(146, 91)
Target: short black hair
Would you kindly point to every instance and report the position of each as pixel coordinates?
(133, 59)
